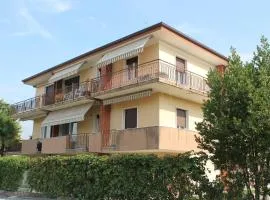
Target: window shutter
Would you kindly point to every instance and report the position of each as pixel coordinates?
(181, 118)
(180, 65)
(131, 118)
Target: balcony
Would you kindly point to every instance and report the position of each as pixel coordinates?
(143, 77)
(62, 144)
(38, 106)
(153, 139)
(30, 108)
(68, 96)
(160, 139)
(157, 75)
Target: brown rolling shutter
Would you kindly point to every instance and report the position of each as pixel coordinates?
(131, 118)
(181, 118)
(180, 65)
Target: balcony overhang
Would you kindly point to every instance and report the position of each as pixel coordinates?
(124, 52)
(65, 73)
(30, 114)
(69, 115)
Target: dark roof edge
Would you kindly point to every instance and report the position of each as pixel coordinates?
(150, 28)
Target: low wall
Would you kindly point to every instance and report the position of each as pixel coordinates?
(175, 139)
(55, 145)
(29, 146)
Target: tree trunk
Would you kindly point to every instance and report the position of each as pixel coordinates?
(2, 149)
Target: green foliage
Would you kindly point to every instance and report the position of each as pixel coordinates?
(120, 177)
(9, 128)
(11, 172)
(236, 124)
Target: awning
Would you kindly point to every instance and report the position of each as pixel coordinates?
(67, 115)
(124, 52)
(66, 72)
(128, 97)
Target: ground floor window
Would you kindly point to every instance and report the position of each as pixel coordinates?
(59, 130)
(130, 118)
(181, 118)
(45, 131)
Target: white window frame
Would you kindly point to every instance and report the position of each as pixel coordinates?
(124, 116)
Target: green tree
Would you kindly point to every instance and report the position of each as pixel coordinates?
(9, 127)
(236, 125)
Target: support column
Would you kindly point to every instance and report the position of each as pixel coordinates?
(105, 119)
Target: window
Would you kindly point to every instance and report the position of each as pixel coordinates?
(132, 67)
(44, 132)
(131, 118)
(72, 83)
(63, 129)
(181, 118)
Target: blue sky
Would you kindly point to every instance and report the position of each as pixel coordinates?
(37, 34)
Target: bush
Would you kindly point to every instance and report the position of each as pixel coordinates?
(129, 176)
(11, 172)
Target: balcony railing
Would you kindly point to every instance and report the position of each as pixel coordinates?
(68, 93)
(27, 105)
(79, 141)
(157, 69)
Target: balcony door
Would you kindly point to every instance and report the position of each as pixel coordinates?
(132, 68)
(49, 95)
(106, 77)
(180, 72)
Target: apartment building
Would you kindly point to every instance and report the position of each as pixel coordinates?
(141, 93)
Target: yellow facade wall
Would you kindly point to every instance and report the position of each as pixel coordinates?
(147, 109)
(149, 53)
(88, 125)
(167, 113)
(169, 53)
(37, 128)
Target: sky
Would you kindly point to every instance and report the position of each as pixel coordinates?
(38, 34)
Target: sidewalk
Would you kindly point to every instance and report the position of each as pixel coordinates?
(21, 195)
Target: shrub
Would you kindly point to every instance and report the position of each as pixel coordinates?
(11, 172)
(126, 176)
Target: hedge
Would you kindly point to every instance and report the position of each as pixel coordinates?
(11, 172)
(115, 177)
(118, 176)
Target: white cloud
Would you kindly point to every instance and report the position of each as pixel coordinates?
(58, 6)
(32, 25)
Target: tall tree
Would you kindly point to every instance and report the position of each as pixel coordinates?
(9, 128)
(236, 125)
